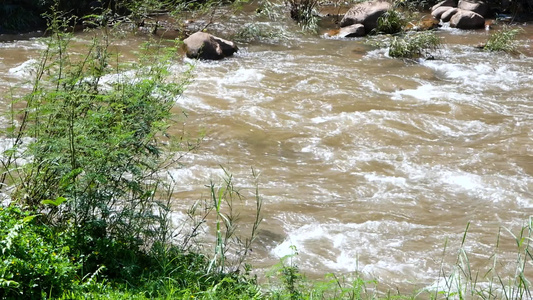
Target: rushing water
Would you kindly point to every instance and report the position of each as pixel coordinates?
(367, 163)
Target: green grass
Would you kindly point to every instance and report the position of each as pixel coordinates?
(503, 40)
(413, 45)
(304, 12)
(392, 21)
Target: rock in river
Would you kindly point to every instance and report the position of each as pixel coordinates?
(355, 30)
(479, 7)
(465, 19)
(366, 13)
(206, 46)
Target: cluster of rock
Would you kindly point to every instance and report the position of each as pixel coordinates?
(357, 22)
(466, 14)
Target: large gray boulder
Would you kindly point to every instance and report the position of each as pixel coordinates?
(451, 3)
(437, 13)
(465, 19)
(446, 16)
(477, 6)
(206, 46)
(366, 13)
(355, 30)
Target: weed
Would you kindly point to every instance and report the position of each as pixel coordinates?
(34, 260)
(226, 225)
(413, 45)
(304, 13)
(503, 40)
(292, 284)
(392, 21)
(99, 148)
(273, 10)
(463, 282)
(259, 32)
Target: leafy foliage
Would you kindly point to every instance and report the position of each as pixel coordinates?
(392, 21)
(503, 40)
(98, 140)
(289, 283)
(304, 13)
(34, 260)
(413, 45)
(257, 32)
(98, 145)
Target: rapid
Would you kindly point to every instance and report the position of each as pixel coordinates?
(367, 163)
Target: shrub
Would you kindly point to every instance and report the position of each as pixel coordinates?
(96, 153)
(304, 13)
(34, 260)
(251, 32)
(392, 21)
(98, 140)
(503, 40)
(413, 45)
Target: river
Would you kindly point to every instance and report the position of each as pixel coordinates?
(367, 163)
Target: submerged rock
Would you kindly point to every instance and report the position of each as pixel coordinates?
(366, 13)
(206, 46)
(465, 19)
(428, 22)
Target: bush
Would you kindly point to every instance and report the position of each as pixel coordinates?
(304, 13)
(97, 149)
(503, 40)
(98, 141)
(392, 21)
(34, 261)
(413, 45)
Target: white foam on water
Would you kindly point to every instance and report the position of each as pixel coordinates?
(462, 180)
(481, 76)
(194, 176)
(191, 102)
(431, 93)
(24, 70)
(320, 152)
(108, 80)
(8, 144)
(31, 44)
(465, 129)
(339, 246)
(297, 239)
(482, 186)
(398, 181)
(249, 76)
(377, 53)
(262, 118)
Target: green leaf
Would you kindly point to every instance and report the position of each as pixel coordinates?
(28, 218)
(8, 283)
(55, 203)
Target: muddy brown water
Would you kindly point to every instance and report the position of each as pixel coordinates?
(366, 163)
